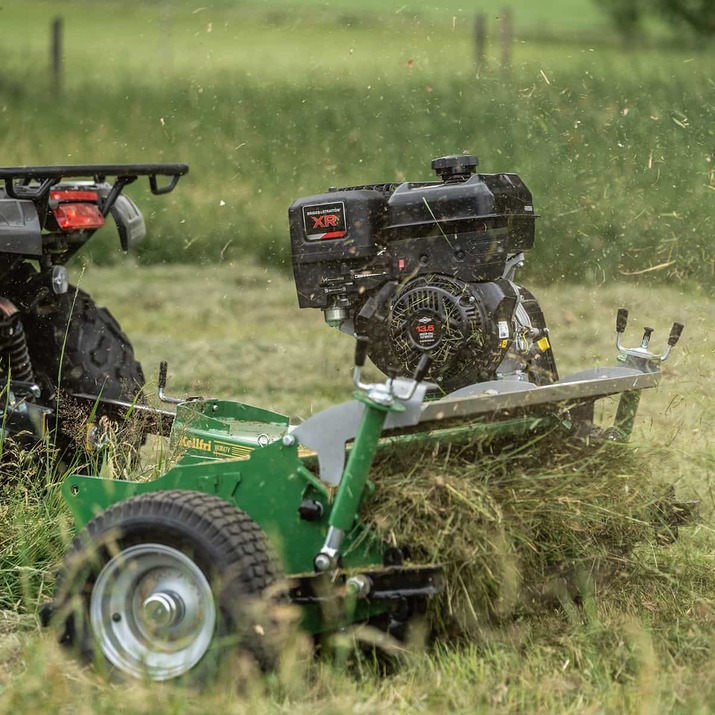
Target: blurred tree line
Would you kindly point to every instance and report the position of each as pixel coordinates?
(696, 17)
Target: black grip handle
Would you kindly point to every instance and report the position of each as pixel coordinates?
(163, 367)
(675, 333)
(621, 320)
(167, 188)
(423, 367)
(361, 347)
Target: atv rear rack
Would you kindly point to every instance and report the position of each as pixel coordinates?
(17, 178)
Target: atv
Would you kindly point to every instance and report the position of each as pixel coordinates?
(59, 351)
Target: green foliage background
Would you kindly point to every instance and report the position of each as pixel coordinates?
(268, 103)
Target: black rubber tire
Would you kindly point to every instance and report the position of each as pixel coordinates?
(97, 359)
(226, 544)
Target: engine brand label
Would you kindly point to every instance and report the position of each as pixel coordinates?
(324, 221)
(425, 331)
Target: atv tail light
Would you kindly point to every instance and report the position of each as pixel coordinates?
(74, 196)
(77, 216)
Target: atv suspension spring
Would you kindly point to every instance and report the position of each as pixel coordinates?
(14, 356)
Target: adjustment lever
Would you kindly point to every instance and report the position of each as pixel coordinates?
(675, 333)
(621, 320)
(161, 385)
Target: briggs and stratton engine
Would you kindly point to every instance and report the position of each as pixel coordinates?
(427, 267)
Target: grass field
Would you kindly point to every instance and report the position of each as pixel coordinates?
(616, 147)
(272, 100)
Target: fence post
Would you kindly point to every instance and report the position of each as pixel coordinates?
(480, 38)
(56, 55)
(506, 37)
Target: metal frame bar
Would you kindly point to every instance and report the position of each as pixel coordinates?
(48, 176)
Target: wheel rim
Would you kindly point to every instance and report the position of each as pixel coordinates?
(152, 612)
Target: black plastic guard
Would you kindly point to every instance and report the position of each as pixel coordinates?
(19, 227)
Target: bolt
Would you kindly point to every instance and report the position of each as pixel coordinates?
(322, 562)
(288, 440)
(358, 586)
(116, 617)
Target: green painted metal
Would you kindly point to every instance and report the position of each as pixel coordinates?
(352, 485)
(220, 429)
(626, 413)
(244, 455)
(269, 486)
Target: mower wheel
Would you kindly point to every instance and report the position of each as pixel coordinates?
(160, 585)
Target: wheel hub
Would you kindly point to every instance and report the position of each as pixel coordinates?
(163, 609)
(152, 611)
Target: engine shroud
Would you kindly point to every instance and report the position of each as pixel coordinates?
(423, 267)
(446, 317)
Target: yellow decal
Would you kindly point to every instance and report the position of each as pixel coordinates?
(543, 344)
(216, 447)
(226, 449)
(200, 445)
(503, 344)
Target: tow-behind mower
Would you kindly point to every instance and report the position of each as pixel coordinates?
(165, 574)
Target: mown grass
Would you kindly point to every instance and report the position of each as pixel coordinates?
(639, 641)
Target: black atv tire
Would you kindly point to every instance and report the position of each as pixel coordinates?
(97, 359)
(163, 585)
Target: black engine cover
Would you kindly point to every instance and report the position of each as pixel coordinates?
(465, 226)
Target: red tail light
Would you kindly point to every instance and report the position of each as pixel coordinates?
(76, 216)
(74, 196)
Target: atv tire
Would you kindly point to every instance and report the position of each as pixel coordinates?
(162, 585)
(78, 347)
(98, 357)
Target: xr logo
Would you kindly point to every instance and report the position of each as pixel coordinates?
(325, 221)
